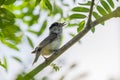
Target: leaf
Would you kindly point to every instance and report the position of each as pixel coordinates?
(55, 67)
(12, 33)
(97, 16)
(93, 29)
(5, 64)
(80, 9)
(72, 34)
(56, 10)
(1, 2)
(45, 4)
(73, 65)
(42, 28)
(13, 46)
(48, 4)
(86, 4)
(81, 26)
(37, 2)
(33, 20)
(101, 10)
(1, 64)
(30, 42)
(17, 59)
(77, 16)
(6, 14)
(34, 32)
(106, 6)
(111, 3)
(42, 4)
(72, 25)
(8, 2)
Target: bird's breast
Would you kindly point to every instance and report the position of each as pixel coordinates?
(54, 45)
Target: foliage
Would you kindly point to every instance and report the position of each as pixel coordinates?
(9, 32)
(55, 67)
(81, 12)
(4, 64)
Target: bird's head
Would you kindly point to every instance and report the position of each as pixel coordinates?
(56, 27)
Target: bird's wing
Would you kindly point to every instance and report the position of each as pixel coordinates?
(46, 41)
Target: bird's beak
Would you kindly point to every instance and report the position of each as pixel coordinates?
(62, 24)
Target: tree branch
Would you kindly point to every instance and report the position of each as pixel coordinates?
(90, 14)
(70, 43)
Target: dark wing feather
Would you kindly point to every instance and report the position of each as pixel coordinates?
(45, 42)
(48, 40)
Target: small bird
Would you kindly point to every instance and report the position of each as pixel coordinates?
(51, 43)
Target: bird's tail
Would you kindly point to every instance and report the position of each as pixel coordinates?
(37, 52)
(36, 57)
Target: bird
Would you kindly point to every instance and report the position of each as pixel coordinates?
(51, 43)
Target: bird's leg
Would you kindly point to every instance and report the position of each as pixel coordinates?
(46, 59)
(55, 50)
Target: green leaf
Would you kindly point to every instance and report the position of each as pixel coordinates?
(81, 26)
(56, 10)
(1, 64)
(106, 6)
(17, 59)
(42, 28)
(72, 25)
(30, 42)
(101, 10)
(55, 67)
(42, 5)
(80, 9)
(8, 2)
(77, 16)
(6, 14)
(72, 34)
(11, 33)
(10, 45)
(86, 4)
(93, 29)
(111, 3)
(5, 65)
(37, 2)
(45, 4)
(97, 16)
(1, 2)
(33, 20)
(34, 32)
(48, 4)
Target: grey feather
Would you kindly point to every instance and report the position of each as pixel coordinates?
(46, 41)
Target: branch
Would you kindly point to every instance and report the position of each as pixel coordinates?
(90, 14)
(70, 43)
